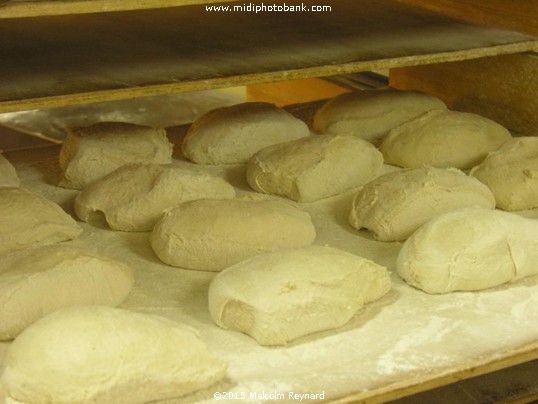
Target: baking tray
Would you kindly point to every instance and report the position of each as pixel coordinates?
(405, 342)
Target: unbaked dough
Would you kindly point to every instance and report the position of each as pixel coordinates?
(38, 281)
(99, 354)
(511, 172)
(443, 138)
(314, 167)
(394, 205)
(470, 249)
(280, 296)
(231, 135)
(89, 153)
(28, 220)
(134, 197)
(8, 174)
(212, 234)
(371, 114)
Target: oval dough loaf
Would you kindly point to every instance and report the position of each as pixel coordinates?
(394, 205)
(105, 355)
(231, 135)
(279, 296)
(371, 114)
(28, 220)
(91, 152)
(314, 167)
(443, 138)
(470, 249)
(211, 234)
(511, 172)
(134, 196)
(40, 280)
(8, 174)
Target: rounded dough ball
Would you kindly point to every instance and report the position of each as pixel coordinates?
(28, 220)
(511, 172)
(371, 114)
(106, 355)
(315, 167)
(470, 249)
(210, 234)
(8, 174)
(280, 296)
(89, 153)
(443, 138)
(135, 196)
(394, 205)
(40, 280)
(231, 135)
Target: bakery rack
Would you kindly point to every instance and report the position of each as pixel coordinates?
(133, 53)
(55, 53)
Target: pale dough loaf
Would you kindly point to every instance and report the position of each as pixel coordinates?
(280, 296)
(38, 281)
(470, 249)
(443, 138)
(135, 196)
(29, 220)
(511, 172)
(8, 174)
(314, 167)
(105, 355)
(394, 205)
(371, 114)
(91, 152)
(212, 234)
(231, 135)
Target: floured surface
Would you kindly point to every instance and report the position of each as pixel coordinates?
(405, 336)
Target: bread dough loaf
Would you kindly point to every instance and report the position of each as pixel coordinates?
(231, 135)
(135, 196)
(8, 174)
(371, 114)
(279, 296)
(470, 249)
(28, 220)
(511, 172)
(443, 138)
(394, 205)
(90, 153)
(38, 281)
(105, 355)
(212, 234)
(314, 167)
